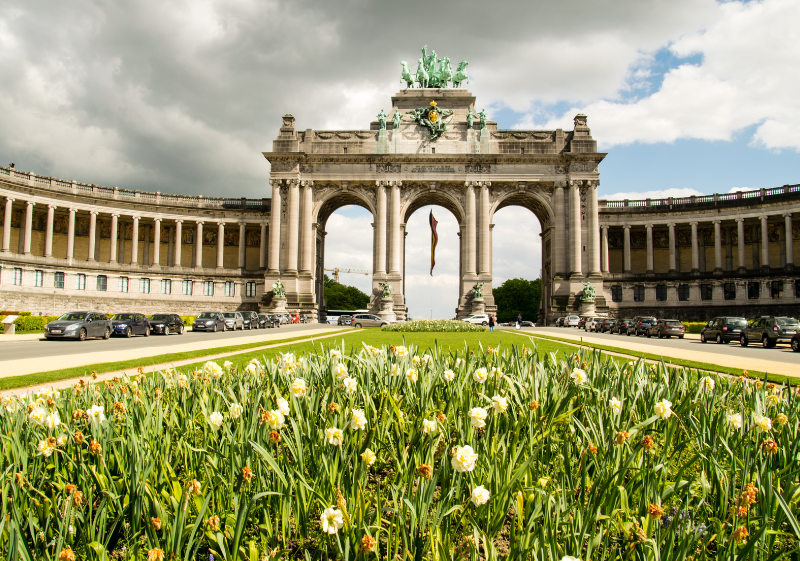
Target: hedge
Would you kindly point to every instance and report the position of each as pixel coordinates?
(188, 320)
(433, 325)
(27, 324)
(694, 326)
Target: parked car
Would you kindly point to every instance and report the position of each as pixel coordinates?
(526, 323)
(622, 326)
(639, 325)
(796, 343)
(295, 318)
(769, 330)
(129, 324)
(265, 321)
(209, 321)
(166, 324)
(666, 328)
(607, 324)
(478, 319)
(332, 320)
(283, 319)
(344, 319)
(572, 321)
(250, 320)
(723, 329)
(233, 320)
(367, 320)
(79, 325)
(582, 322)
(559, 322)
(592, 323)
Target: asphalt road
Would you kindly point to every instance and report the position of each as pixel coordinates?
(780, 353)
(61, 347)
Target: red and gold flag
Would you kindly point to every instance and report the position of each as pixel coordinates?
(434, 240)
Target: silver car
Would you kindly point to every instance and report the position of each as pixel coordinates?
(367, 320)
(233, 320)
(79, 325)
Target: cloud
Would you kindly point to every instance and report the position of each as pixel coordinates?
(660, 194)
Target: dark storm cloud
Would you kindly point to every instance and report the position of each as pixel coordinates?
(183, 96)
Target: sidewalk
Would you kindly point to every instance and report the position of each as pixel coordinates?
(760, 365)
(21, 337)
(45, 364)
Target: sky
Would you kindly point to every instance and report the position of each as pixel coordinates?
(686, 96)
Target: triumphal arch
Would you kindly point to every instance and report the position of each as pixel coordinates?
(434, 147)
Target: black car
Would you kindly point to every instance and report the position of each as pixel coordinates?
(769, 331)
(607, 324)
(622, 326)
(723, 329)
(209, 321)
(666, 328)
(640, 324)
(79, 325)
(130, 324)
(250, 320)
(166, 324)
(265, 321)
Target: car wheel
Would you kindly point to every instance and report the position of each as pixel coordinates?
(648, 334)
(128, 333)
(215, 328)
(796, 345)
(82, 334)
(147, 331)
(628, 333)
(765, 342)
(484, 324)
(358, 326)
(743, 341)
(107, 333)
(180, 330)
(680, 336)
(166, 330)
(719, 339)
(702, 337)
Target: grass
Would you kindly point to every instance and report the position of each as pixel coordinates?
(676, 361)
(37, 378)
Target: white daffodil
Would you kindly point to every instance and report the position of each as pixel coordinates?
(235, 410)
(735, 420)
(52, 421)
(274, 419)
(412, 375)
(763, 424)
(350, 385)
(426, 358)
(227, 365)
(615, 404)
(331, 520)
(369, 457)
(283, 406)
(340, 370)
(499, 404)
(480, 495)
(429, 426)
(47, 447)
(334, 436)
(664, 409)
(401, 351)
(62, 440)
(578, 376)
(358, 421)
(38, 415)
(336, 354)
(464, 459)
(708, 383)
(480, 375)
(215, 419)
(449, 375)
(298, 387)
(212, 369)
(97, 413)
(477, 416)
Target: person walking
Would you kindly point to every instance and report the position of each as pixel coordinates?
(491, 322)
(519, 321)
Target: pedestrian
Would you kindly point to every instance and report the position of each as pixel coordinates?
(519, 321)
(491, 322)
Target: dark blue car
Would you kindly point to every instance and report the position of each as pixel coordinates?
(130, 324)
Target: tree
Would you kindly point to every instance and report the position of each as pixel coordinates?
(343, 297)
(518, 296)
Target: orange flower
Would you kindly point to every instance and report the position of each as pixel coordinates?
(66, 555)
(95, 448)
(534, 405)
(425, 470)
(69, 488)
(77, 498)
(441, 417)
(740, 535)
(94, 375)
(78, 414)
(79, 437)
(621, 438)
(20, 478)
(155, 555)
(156, 522)
(648, 443)
(367, 544)
(158, 393)
(592, 448)
(193, 487)
(247, 474)
(213, 523)
(655, 511)
(333, 409)
(770, 447)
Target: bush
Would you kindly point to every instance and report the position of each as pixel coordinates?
(25, 324)
(11, 313)
(694, 326)
(188, 320)
(435, 325)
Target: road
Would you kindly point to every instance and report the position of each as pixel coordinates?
(674, 347)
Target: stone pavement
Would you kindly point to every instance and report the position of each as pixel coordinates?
(632, 344)
(44, 364)
(21, 337)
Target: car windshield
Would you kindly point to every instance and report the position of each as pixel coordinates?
(673, 322)
(73, 316)
(786, 322)
(122, 317)
(572, 318)
(229, 315)
(207, 315)
(159, 317)
(649, 320)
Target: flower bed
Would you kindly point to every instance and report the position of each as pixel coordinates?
(476, 454)
(423, 325)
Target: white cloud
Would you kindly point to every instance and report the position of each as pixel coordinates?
(660, 194)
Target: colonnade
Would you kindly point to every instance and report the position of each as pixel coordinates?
(172, 227)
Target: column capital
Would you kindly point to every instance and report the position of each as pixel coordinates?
(137, 218)
(739, 219)
(157, 219)
(54, 207)
(307, 183)
(115, 215)
(787, 214)
(30, 203)
(559, 184)
(179, 221)
(649, 226)
(96, 212)
(199, 222)
(764, 217)
(604, 226)
(381, 183)
(695, 223)
(10, 199)
(626, 226)
(73, 209)
(716, 221)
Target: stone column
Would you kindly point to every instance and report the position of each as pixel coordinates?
(307, 230)
(242, 246)
(740, 243)
(146, 247)
(484, 253)
(92, 233)
(470, 245)
(594, 229)
(789, 241)
(380, 229)
(695, 249)
(7, 225)
(170, 245)
(673, 263)
(112, 249)
(220, 245)
(718, 246)
(156, 263)
(575, 229)
(275, 228)
(765, 242)
(395, 232)
(71, 233)
(293, 226)
(605, 264)
(135, 241)
(48, 234)
(26, 248)
(176, 260)
(262, 252)
(121, 257)
(560, 235)
(198, 245)
(650, 267)
(626, 249)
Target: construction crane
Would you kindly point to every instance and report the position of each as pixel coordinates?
(337, 270)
